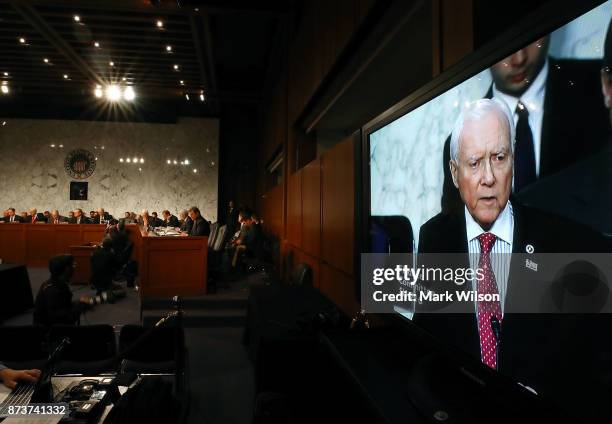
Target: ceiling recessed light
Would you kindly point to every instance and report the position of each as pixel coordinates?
(113, 93)
(53, 145)
(22, 40)
(168, 161)
(128, 94)
(187, 96)
(195, 171)
(46, 60)
(135, 160)
(176, 67)
(98, 92)
(174, 161)
(123, 79)
(77, 18)
(65, 76)
(3, 123)
(159, 24)
(169, 48)
(141, 160)
(61, 146)
(6, 74)
(96, 44)
(202, 97)
(111, 63)
(121, 160)
(140, 169)
(128, 160)
(182, 82)
(186, 161)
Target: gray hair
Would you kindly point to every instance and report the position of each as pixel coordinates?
(475, 111)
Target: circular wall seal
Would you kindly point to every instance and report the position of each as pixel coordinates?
(80, 164)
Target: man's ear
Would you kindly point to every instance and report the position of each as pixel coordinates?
(606, 88)
(453, 169)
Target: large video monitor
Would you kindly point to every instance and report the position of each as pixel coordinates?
(514, 161)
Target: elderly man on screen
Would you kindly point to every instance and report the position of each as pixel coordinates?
(492, 224)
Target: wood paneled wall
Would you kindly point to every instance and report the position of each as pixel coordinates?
(312, 212)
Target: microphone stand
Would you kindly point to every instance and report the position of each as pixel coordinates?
(179, 351)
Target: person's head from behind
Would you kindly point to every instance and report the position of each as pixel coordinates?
(194, 212)
(61, 268)
(482, 151)
(514, 74)
(606, 71)
(245, 216)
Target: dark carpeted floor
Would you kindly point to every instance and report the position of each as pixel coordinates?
(220, 373)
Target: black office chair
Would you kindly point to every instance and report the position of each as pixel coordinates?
(214, 231)
(23, 347)
(89, 349)
(157, 354)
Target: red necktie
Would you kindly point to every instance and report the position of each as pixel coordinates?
(33, 219)
(486, 310)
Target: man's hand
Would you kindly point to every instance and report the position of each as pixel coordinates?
(10, 377)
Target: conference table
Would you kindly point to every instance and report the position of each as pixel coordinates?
(167, 265)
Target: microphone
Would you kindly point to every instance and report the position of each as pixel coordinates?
(496, 327)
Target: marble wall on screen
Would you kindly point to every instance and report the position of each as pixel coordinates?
(32, 171)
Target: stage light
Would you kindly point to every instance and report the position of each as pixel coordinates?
(5, 89)
(113, 93)
(77, 18)
(169, 48)
(128, 94)
(98, 91)
(159, 24)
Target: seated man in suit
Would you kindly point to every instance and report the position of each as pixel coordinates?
(155, 221)
(170, 220)
(34, 217)
(199, 226)
(47, 215)
(10, 377)
(185, 221)
(56, 218)
(490, 225)
(79, 218)
(12, 216)
(102, 215)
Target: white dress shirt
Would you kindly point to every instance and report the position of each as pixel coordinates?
(533, 99)
(503, 229)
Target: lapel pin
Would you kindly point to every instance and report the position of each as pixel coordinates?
(529, 248)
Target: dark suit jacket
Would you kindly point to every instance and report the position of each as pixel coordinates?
(186, 225)
(172, 222)
(200, 227)
(552, 353)
(84, 220)
(61, 219)
(575, 124)
(39, 218)
(582, 192)
(7, 219)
